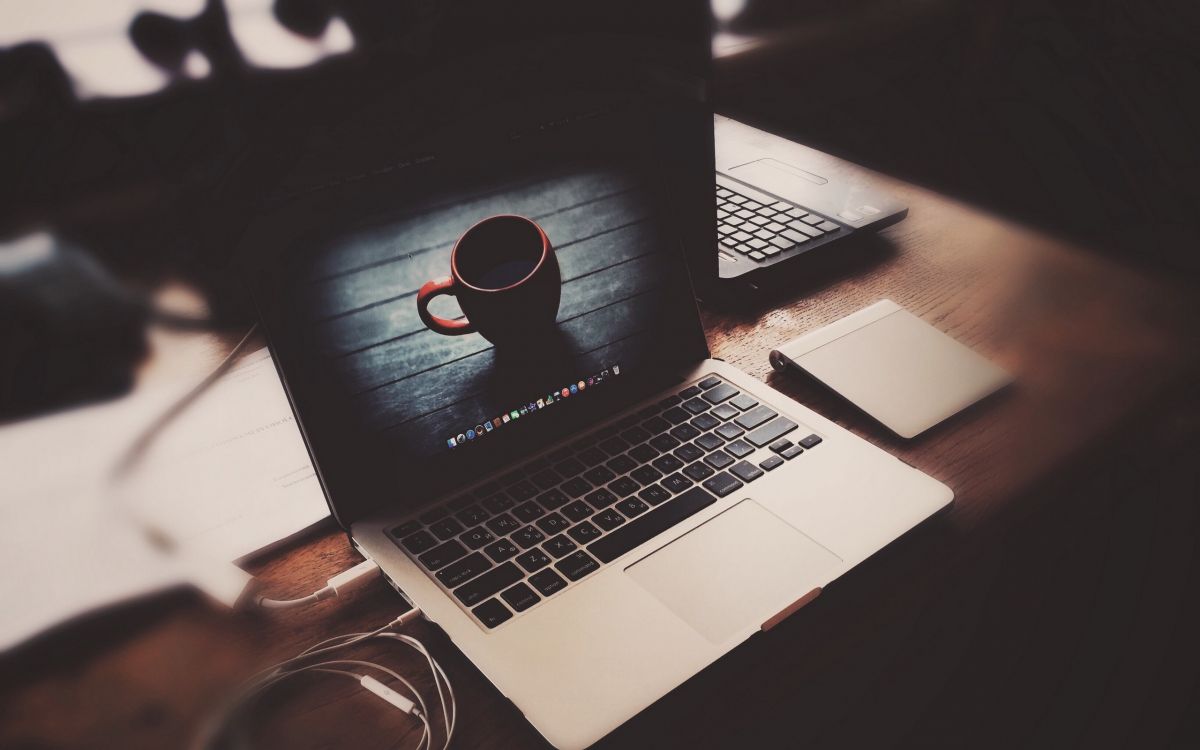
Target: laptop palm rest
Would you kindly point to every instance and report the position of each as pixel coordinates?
(735, 571)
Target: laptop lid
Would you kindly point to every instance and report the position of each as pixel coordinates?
(592, 127)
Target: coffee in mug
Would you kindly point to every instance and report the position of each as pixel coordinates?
(506, 278)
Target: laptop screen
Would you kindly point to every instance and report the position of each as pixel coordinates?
(485, 257)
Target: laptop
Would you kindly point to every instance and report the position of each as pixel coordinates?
(596, 511)
(777, 201)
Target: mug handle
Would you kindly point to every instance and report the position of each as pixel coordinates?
(431, 289)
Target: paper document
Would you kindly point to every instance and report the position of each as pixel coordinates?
(227, 478)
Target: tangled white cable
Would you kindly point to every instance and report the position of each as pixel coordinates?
(223, 730)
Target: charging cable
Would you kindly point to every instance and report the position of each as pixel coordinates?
(342, 583)
(226, 729)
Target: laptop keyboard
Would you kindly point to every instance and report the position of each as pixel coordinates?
(509, 544)
(762, 231)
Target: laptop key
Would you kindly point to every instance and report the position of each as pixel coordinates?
(406, 528)
(635, 435)
(614, 446)
(690, 392)
(739, 449)
(810, 441)
(649, 525)
(569, 467)
(669, 401)
(521, 491)
(527, 537)
(771, 431)
(477, 537)
(688, 453)
(794, 236)
(632, 507)
(443, 554)
(729, 431)
(698, 471)
(622, 464)
(547, 478)
(576, 487)
(533, 560)
(676, 415)
(792, 452)
(664, 442)
(601, 498)
(624, 487)
(654, 494)
(780, 445)
(547, 582)
(712, 381)
(755, 417)
(501, 550)
(812, 219)
(503, 525)
(552, 499)
(667, 463)
(520, 597)
(705, 422)
(696, 405)
(446, 528)
(744, 401)
(498, 503)
(718, 459)
(644, 453)
(577, 565)
(770, 463)
(676, 483)
(418, 542)
(827, 226)
(719, 393)
(599, 475)
(592, 456)
(492, 613)
(721, 484)
(655, 425)
(684, 432)
(553, 523)
(472, 516)
(724, 412)
(608, 519)
(463, 570)
(646, 475)
(529, 511)
(746, 471)
(559, 546)
(577, 511)
(584, 532)
(708, 442)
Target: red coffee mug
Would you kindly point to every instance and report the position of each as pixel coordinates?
(506, 278)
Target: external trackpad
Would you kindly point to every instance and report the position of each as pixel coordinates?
(737, 570)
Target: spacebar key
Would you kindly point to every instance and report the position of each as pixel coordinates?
(650, 525)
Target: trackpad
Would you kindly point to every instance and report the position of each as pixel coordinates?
(735, 571)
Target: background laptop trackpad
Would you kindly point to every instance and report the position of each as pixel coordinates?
(736, 570)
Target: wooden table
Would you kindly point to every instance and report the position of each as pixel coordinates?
(1049, 606)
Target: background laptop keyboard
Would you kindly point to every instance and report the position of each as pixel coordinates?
(761, 231)
(509, 544)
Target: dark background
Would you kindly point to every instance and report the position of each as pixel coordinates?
(1073, 624)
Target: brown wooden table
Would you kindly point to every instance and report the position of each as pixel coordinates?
(1049, 606)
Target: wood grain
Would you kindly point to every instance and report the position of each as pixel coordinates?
(1097, 351)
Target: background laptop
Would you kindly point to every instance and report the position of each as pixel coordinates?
(627, 509)
(777, 201)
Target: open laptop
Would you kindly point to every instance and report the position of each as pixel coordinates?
(778, 200)
(597, 513)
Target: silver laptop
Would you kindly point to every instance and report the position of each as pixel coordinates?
(778, 201)
(595, 511)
